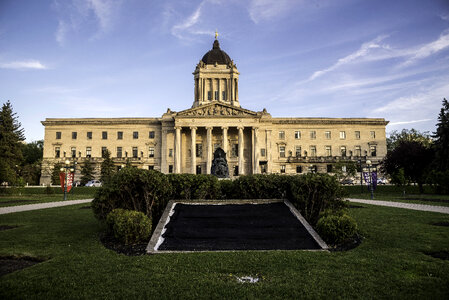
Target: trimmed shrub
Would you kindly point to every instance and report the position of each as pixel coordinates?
(190, 186)
(336, 228)
(128, 226)
(259, 187)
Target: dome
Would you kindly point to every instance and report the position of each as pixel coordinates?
(216, 55)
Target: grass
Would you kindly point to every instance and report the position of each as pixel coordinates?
(389, 263)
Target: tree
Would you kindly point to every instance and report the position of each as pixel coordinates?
(441, 144)
(55, 174)
(395, 137)
(411, 156)
(11, 137)
(107, 167)
(345, 169)
(32, 160)
(87, 172)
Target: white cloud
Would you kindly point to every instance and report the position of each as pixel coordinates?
(187, 25)
(262, 10)
(24, 64)
(408, 122)
(428, 49)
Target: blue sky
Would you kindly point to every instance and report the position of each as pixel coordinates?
(135, 58)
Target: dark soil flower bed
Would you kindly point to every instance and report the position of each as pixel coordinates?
(9, 264)
(110, 242)
(349, 244)
(438, 254)
(6, 227)
(441, 224)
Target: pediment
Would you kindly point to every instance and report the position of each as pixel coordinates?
(216, 110)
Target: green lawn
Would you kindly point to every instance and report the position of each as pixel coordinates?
(389, 263)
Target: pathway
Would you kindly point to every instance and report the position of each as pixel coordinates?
(422, 207)
(12, 209)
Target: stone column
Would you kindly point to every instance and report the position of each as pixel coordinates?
(164, 167)
(177, 150)
(193, 147)
(268, 151)
(209, 149)
(225, 140)
(255, 148)
(241, 144)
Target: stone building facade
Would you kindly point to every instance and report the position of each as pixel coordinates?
(184, 141)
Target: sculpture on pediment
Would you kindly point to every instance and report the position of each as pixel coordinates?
(220, 164)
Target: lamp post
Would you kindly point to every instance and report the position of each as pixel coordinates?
(361, 175)
(368, 162)
(66, 169)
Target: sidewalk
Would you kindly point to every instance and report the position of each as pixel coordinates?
(421, 207)
(13, 209)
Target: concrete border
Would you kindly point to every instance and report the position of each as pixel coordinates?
(157, 239)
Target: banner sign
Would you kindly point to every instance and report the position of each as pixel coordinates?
(70, 177)
(366, 177)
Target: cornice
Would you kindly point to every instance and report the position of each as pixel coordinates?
(100, 121)
(329, 121)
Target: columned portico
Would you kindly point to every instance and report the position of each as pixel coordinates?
(209, 149)
(225, 140)
(177, 149)
(241, 144)
(255, 151)
(193, 151)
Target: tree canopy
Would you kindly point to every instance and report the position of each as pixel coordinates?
(395, 137)
(441, 136)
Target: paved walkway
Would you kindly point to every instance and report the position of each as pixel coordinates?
(12, 209)
(422, 207)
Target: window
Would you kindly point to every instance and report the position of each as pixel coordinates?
(170, 169)
(358, 151)
(373, 134)
(104, 135)
(58, 135)
(199, 150)
(235, 150)
(216, 95)
(298, 151)
(223, 95)
(297, 135)
(328, 150)
(150, 167)
(281, 151)
(313, 169)
(343, 151)
(135, 135)
(298, 169)
(198, 169)
(327, 134)
(151, 152)
(342, 135)
(313, 151)
(170, 152)
(263, 152)
(329, 168)
(73, 151)
(313, 134)
(88, 152)
(282, 169)
(89, 135)
(372, 150)
(135, 150)
(74, 135)
(209, 95)
(357, 135)
(236, 170)
(57, 152)
(103, 151)
(151, 135)
(281, 135)
(119, 152)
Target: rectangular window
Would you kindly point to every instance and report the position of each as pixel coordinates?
(89, 135)
(135, 135)
(135, 150)
(119, 135)
(104, 135)
(342, 135)
(235, 150)
(281, 135)
(151, 152)
(328, 150)
(151, 135)
(329, 168)
(103, 151)
(313, 134)
(297, 135)
(170, 169)
(343, 151)
(150, 167)
(358, 151)
(263, 152)
(216, 95)
(327, 134)
(223, 95)
(199, 150)
(357, 135)
(73, 150)
(209, 95)
(373, 150)
(282, 169)
(88, 152)
(298, 169)
(57, 152)
(170, 152)
(373, 134)
(74, 135)
(313, 151)
(58, 135)
(281, 151)
(198, 169)
(298, 151)
(119, 152)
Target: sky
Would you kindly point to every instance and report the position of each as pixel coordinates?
(296, 58)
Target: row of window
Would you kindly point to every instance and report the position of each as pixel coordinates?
(328, 151)
(327, 135)
(119, 152)
(104, 135)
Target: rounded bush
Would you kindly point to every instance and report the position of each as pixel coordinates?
(128, 226)
(335, 229)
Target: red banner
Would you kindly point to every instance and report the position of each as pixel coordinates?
(70, 177)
